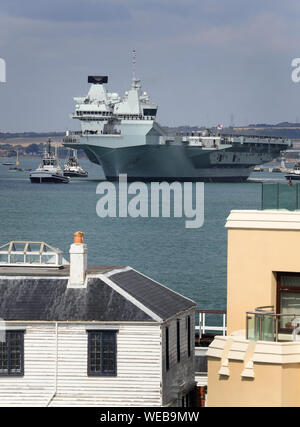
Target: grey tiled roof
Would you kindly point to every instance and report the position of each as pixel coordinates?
(161, 300)
(120, 296)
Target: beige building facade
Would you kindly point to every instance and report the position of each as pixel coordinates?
(258, 362)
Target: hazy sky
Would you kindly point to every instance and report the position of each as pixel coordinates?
(201, 61)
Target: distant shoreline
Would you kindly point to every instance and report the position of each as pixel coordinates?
(283, 129)
(27, 140)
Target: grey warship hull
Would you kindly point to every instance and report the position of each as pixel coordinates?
(178, 162)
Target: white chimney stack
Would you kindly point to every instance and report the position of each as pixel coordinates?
(78, 262)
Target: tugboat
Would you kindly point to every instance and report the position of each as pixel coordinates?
(49, 169)
(73, 169)
(295, 174)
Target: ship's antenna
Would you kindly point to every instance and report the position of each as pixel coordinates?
(133, 65)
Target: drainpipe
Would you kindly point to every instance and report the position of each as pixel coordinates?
(56, 365)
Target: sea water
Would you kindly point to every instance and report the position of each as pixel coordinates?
(189, 261)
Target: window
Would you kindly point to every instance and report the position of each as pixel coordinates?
(12, 354)
(102, 353)
(188, 319)
(178, 340)
(167, 350)
(149, 112)
(288, 297)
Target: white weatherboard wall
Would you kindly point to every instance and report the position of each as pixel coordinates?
(36, 386)
(138, 380)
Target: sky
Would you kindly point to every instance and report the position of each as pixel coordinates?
(203, 62)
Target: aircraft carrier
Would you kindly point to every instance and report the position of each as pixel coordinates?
(123, 136)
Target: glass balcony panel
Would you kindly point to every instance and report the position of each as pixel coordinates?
(269, 196)
(251, 327)
(287, 197)
(268, 328)
(281, 196)
(257, 327)
(273, 327)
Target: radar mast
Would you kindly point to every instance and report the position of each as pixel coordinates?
(136, 83)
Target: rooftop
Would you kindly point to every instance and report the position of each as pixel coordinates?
(110, 295)
(39, 292)
(63, 271)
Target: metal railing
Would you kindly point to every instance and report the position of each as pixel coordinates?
(209, 323)
(264, 324)
(203, 326)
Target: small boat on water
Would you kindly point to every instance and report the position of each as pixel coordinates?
(72, 168)
(17, 167)
(295, 174)
(49, 169)
(7, 164)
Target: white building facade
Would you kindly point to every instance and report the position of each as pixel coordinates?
(116, 339)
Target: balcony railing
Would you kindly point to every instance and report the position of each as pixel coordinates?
(264, 324)
(208, 324)
(280, 196)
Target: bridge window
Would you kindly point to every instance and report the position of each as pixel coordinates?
(150, 112)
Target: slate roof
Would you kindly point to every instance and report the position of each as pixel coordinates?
(112, 294)
(158, 298)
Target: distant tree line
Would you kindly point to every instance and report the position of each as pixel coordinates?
(36, 149)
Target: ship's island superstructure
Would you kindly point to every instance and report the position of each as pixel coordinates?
(122, 135)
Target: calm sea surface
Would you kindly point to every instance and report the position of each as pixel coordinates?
(190, 261)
